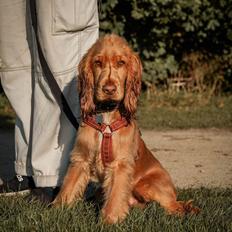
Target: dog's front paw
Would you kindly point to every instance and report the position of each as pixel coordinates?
(63, 199)
(60, 200)
(113, 215)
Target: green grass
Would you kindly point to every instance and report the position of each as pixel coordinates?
(161, 112)
(164, 111)
(185, 111)
(216, 210)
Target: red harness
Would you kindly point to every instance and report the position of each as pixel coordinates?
(106, 146)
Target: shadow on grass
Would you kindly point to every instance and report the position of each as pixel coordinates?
(7, 152)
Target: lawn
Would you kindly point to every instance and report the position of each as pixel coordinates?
(216, 210)
(157, 113)
(164, 111)
(183, 111)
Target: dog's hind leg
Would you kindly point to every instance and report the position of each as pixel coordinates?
(153, 183)
(158, 187)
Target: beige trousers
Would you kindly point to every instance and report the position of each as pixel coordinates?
(43, 135)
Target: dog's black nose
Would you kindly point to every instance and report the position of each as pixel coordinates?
(109, 89)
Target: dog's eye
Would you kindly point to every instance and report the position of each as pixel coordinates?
(98, 63)
(120, 63)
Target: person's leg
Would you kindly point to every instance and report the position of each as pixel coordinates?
(64, 40)
(15, 74)
(65, 33)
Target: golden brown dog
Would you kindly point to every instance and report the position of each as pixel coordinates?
(109, 147)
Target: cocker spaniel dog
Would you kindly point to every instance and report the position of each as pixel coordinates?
(109, 147)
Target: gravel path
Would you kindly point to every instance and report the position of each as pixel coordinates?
(194, 158)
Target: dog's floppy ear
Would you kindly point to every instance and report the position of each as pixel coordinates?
(86, 85)
(133, 85)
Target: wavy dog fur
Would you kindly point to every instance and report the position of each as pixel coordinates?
(109, 85)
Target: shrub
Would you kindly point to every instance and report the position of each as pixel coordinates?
(169, 34)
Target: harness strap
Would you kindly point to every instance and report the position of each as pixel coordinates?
(106, 146)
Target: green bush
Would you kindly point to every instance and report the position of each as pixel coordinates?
(168, 33)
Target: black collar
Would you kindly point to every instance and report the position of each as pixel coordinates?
(107, 106)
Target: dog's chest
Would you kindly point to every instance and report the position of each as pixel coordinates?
(97, 167)
(111, 143)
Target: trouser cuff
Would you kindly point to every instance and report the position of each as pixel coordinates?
(21, 169)
(46, 181)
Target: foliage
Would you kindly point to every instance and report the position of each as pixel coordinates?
(166, 33)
